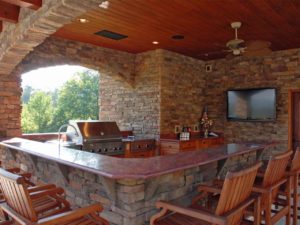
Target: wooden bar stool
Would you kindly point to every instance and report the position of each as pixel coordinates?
(268, 184)
(42, 204)
(293, 171)
(234, 198)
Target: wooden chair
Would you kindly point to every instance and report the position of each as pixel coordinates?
(234, 198)
(293, 171)
(20, 172)
(42, 204)
(268, 185)
(27, 176)
(31, 202)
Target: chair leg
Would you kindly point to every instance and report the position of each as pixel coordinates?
(288, 200)
(257, 211)
(295, 200)
(268, 212)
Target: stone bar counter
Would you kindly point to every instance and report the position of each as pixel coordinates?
(127, 187)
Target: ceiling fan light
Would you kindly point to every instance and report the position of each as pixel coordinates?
(236, 51)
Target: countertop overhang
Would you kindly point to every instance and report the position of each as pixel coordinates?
(131, 168)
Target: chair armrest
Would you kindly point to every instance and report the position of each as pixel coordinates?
(206, 216)
(210, 189)
(42, 193)
(67, 216)
(16, 216)
(40, 188)
(264, 190)
(260, 190)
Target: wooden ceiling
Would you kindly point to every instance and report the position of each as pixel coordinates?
(10, 9)
(205, 24)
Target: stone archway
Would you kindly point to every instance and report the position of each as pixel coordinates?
(56, 51)
(20, 39)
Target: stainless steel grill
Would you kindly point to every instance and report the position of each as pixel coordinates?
(96, 136)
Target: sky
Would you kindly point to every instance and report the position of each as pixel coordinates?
(49, 78)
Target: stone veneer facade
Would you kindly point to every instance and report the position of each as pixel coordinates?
(134, 199)
(153, 91)
(280, 70)
(17, 40)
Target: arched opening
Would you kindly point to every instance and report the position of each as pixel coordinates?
(54, 95)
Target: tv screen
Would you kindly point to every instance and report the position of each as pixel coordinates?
(251, 104)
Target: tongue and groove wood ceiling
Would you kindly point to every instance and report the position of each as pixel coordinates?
(205, 24)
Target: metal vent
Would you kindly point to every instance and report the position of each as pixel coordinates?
(111, 35)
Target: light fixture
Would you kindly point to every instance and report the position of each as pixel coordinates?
(83, 20)
(104, 5)
(155, 42)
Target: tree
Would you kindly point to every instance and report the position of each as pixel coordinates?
(26, 94)
(77, 99)
(37, 114)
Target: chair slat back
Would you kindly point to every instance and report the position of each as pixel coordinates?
(237, 188)
(16, 195)
(295, 166)
(276, 168)
(275, 171)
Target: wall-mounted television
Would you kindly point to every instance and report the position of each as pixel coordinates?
(257, 104)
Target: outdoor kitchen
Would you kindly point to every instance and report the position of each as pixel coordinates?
(103, 137)
(177, 114)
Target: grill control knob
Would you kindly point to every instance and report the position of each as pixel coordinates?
(115, 148)
(105, 149)
(99, 150)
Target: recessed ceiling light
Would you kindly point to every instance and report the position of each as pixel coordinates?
(104, 5)
(155, 42)
(83, 20)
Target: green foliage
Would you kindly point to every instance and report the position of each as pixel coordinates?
(76, 99)
(26, 94)
(37, 114)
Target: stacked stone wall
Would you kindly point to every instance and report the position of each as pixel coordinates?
(135, 106)
(135, 199)
(182, 91)
(280, 70)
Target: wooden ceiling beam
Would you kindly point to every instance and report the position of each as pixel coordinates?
(9, 12)
(33, 4)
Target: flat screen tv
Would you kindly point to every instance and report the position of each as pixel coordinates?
(251, 104)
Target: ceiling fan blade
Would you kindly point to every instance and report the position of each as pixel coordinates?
(255, 45)
(259, 52)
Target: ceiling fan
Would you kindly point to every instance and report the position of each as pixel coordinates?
(236, 45)
(250, 48)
